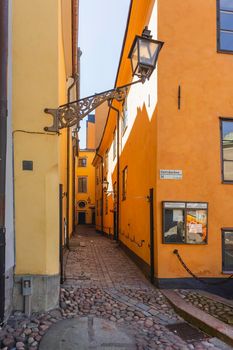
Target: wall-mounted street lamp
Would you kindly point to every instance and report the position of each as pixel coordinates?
(143, 55)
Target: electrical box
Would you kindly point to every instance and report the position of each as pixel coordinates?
(27, 285)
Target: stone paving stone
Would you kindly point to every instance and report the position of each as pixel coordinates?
(103, 283)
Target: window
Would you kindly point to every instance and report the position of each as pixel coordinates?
(82, 162)
(124, 119)
(227, 149)
(82, 184)
(106, 204)
(81, 204)
(185, 222)
(124, 182)
(114, 144)
(225, 25)
(227, 250)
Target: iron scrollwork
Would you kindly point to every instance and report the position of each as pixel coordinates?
(70, 114)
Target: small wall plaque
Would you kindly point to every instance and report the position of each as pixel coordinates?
(27, 165)
(171, 174)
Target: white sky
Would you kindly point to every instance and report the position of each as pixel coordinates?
(102, 26)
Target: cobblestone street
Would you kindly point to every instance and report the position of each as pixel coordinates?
(106, 303)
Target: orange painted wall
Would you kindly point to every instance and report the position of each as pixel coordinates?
(186, 139)
(189, 139)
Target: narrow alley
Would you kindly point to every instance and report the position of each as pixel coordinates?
(107, 303)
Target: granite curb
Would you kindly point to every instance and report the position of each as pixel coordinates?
(199, 318)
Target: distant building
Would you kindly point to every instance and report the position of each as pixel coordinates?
(85, 174)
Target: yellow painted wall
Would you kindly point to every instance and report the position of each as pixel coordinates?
(39, 81)
(89, 196)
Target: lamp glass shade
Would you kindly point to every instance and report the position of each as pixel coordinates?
(143, 55)
(134, 57)
(148, 52)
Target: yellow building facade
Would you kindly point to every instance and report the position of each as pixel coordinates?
(85, 198)
(85, 175)
(44, 46)
(168, 152)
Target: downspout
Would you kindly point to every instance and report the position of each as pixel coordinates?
(102, 192)
(118, 171)
(3, 140)
(68, 168)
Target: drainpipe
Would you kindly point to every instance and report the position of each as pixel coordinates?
(68, 168)
(118, 170)
(77, 128)
(102, 194)
(3, 140)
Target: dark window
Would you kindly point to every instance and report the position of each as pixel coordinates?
(114, 144)
(106, 204)
(82, 184)
(225, 25)
(227, 149)
(227, 250)
(124, 183)
(81, 204)
(185, 222)
(82, 162)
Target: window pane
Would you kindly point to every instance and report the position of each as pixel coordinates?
(226, 5)
(124, 183)
(226, 20)
(228, 251)
(174, 226)
(82, 162)
(226, 41)
(196, 221)
(82, 184)
(228, 171)
(227, 146)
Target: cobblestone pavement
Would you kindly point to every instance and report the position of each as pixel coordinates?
(102, 282)
(217, 309)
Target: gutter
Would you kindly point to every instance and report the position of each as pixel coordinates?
(3, 141)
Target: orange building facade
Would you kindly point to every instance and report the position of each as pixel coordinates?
(167, 157)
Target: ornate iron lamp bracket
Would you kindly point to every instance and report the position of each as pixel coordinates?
(70, 114)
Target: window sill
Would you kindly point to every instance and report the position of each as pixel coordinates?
(226, 182)
(227, 272)
(229, 52)
(180, 243)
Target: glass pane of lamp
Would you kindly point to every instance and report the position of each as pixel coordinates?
(147, 52)
(134, 57)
